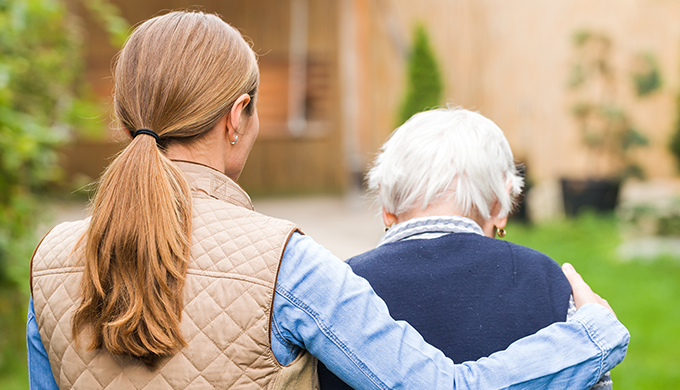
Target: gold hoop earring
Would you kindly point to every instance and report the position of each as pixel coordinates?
(500, 232)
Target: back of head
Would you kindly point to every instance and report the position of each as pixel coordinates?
(446, 155)
(177, 75)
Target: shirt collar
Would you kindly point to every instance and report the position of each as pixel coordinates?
(214, 183)
(430, 227)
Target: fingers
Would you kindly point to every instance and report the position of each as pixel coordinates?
(582, 292)
(604, 303)
(574, 278)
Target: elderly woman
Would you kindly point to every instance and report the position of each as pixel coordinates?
(447, 182)
(176, 282)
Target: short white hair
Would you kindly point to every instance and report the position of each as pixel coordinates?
(446, 154)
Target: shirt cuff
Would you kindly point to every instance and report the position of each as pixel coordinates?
(608, 333)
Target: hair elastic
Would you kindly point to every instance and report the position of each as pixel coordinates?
(147, 132)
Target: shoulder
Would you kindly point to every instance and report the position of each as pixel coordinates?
(303, 249)
(55, 249)
(531, 258)
(309, 264)
(62, 237)
(376, 255)
(69, 227)
(501, 248)
(217, 214)
(531, 271)
(534, 268)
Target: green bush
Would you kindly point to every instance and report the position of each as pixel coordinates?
(43, 98)
(40, 66)
(424, 85)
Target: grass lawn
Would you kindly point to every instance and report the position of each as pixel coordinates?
(645, 294)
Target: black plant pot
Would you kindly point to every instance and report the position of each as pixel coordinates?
(601, 196)
(520, 212)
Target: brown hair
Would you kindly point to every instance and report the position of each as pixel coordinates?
(178, 75)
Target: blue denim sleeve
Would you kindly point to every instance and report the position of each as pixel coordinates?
(39, 372)
(321, 306)
(565, 355)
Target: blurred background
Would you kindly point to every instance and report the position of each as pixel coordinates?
(587, 93)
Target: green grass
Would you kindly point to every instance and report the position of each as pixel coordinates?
(645, 294)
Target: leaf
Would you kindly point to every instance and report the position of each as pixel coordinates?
(647, 78)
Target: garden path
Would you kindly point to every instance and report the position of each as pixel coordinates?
(346, 225)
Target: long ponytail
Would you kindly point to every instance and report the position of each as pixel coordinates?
(137, 245)
(137, 250)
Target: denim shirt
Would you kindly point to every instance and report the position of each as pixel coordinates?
(321, 306)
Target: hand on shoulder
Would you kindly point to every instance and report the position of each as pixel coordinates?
(582, 292)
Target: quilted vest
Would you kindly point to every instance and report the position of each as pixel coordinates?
(228, 297)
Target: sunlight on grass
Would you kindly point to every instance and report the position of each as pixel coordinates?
(644, 294)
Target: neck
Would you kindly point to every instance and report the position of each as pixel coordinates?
(198, 155)
(209, 150)
(447, 209)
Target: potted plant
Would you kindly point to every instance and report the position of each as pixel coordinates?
(607, 131)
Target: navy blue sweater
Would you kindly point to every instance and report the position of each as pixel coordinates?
(467, 294)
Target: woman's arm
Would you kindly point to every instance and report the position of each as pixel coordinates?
(39, 371)
(605, 382)
(321, 306)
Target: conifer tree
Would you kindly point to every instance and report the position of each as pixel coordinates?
(675, 140)
(424, 85)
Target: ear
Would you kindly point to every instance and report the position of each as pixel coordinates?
(500, 222)
(234, 116)
(389, 219)
(490, 225)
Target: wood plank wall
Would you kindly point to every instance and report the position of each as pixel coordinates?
(511, 60)
(278, 163)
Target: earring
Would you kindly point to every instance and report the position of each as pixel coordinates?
(500, 232)
(235, 140)
(387, 228)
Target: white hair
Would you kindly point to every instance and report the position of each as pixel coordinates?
(447, 154)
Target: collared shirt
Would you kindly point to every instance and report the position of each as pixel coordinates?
(321, 306)
(430, 227)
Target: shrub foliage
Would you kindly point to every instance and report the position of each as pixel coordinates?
(424, 84)
(41, 102)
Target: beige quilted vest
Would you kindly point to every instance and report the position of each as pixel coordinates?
(228, 298)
